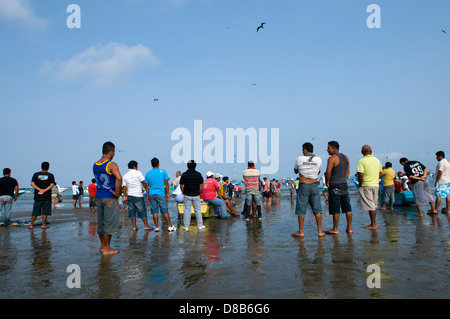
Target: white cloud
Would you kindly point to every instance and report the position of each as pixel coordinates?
(20, 11)
(102, 64)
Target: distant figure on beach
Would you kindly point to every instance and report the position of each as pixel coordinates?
(369, 173)
(308, 166)
(251, 179)
(157, 189)
(42, 182)
(388, 192)
(75, 194)
(92, 192)
(176, 182)
(292, 188)
(9, 192)
(336, 175)
(442, 182)
(81, 194)
(417, 173)
(228, 200)
(132, 186)
(266, 192)
(55, 195)
(211, 195)
(191, 184)
(109, 188)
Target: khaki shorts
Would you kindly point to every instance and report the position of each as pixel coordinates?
(368, 196)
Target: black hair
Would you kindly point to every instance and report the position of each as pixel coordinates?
(155, 162)
(308, 147)
(108, 147)
(132, 164)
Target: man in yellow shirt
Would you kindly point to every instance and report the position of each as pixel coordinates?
(369, 173)
(388, 193)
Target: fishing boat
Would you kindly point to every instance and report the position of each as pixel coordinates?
(404, 198)
(207, 210)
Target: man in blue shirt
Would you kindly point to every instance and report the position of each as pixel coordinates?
(157, 188)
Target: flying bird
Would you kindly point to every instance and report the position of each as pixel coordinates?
(261, 26)
(155, 100)
(443, 31)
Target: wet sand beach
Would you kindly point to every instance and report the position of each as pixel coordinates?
(230, 259)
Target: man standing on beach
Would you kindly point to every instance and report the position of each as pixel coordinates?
(9, 192)
(369, 172)
(92, 191)
(133, 183)
(81, 194)
(109, 188)
(308, 167)
(417, 173)
(42, 182)
(157, 189)
(75, 194)
(251, 179)
(191, 184)
(388, 193)
(442, 182)
(336, 176)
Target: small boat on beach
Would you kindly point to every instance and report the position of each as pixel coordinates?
(207, 210)
(404, 198)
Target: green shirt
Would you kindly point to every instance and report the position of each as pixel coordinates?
(370, 167)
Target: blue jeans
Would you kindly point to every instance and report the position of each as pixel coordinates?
(252, 196)
(308, 195)
(194, 201)
(5, 209)
(136, 207)
(219, 206)
(160, 202)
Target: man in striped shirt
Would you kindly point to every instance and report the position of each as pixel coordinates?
(251, 180)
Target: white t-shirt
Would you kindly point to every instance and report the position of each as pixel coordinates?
(133, 181)
(75, 190)
(443, 166)
(308, 166)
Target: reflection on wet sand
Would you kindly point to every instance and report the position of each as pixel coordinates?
(232, 258)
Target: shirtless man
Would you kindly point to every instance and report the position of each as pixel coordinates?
(336, 176)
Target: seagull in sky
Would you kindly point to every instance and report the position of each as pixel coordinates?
(443, 31)
(155, 100)
(261, 26)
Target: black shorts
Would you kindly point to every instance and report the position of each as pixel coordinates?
(42, 207)
(75, 197)
(266, 194)
(339, 199)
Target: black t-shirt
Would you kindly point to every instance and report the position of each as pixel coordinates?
(43, 180)
(191, 181)
(414, 168)
(7, 185)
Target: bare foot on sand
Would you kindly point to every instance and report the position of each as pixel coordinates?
(331, 232)
(371, 226)
(297, 235)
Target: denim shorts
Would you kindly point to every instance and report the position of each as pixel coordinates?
(42, 207)
(160, 202)
(308, 194)
(252, 196)
(107, 216)
(136, 207)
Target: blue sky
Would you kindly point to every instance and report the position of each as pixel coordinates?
(321, 75)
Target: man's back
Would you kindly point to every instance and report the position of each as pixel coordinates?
(191, 181)
(251, 178)
(155, 179)
(43, 180)
(7, 185)
(370, 167)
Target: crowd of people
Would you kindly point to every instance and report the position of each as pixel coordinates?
(152, 189)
